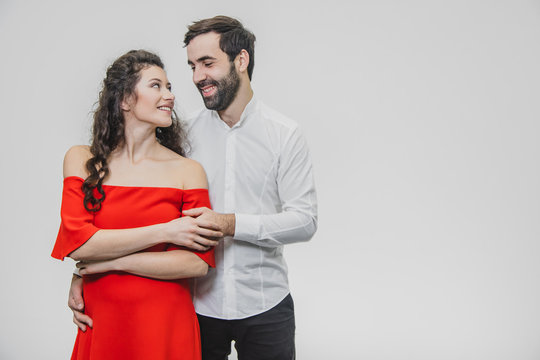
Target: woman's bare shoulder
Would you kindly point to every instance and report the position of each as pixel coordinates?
(190, 173)
(75, 161)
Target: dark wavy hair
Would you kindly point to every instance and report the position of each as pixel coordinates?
(108, 126)
(233, 37)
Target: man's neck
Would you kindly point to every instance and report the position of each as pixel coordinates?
(233, 113)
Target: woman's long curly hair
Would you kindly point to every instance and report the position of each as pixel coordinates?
(108, 128)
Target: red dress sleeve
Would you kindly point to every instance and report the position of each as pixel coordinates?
(77, 223)
(194, 198)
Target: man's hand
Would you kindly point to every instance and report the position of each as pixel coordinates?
(193, 233)
(225, 222)
(76, 304)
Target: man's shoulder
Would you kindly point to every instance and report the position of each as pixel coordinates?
(276, 117)
(197, 116)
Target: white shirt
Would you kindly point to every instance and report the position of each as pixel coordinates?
(260, 170)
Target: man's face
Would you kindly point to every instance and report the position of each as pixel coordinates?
(213, 74)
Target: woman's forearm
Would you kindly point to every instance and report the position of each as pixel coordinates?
(113, 243)
(195, 234)
(164, 265)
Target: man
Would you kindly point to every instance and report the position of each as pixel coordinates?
(262, 190)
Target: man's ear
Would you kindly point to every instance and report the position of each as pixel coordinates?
(242, 60)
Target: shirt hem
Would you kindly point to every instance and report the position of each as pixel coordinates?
(245, 316)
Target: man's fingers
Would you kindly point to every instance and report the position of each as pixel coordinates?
(79, 324)
(75, 298)
(193, 212)
(208, 225)
(75, 302)
(207, 233)
(75, 306)
(79, 317)
(82, 320)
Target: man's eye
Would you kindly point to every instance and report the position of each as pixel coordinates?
(208, 64)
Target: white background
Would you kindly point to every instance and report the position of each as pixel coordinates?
(423, 121)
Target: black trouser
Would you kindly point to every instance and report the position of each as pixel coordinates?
(269, 335)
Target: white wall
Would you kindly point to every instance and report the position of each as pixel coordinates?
(423, 120)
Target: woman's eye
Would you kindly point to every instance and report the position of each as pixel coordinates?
(156, 85)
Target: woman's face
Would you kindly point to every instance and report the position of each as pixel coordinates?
(153, 101)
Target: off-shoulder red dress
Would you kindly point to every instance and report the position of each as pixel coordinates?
(134, 317)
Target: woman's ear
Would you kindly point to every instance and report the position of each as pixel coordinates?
(125, 105)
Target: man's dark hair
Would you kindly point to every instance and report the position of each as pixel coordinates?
(234, 37)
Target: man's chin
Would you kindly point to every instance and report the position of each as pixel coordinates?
(210, 103)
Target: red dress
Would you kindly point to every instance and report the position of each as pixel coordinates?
(134, 317)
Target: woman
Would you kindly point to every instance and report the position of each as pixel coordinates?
(121, 207)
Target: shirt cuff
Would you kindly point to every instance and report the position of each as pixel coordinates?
(247, 227)
(76, 272)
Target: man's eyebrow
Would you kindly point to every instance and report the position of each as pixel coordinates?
(202, 58)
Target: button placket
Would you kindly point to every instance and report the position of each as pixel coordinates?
(229, 207)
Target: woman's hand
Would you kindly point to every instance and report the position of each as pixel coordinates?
(195, 234)
(98, 267)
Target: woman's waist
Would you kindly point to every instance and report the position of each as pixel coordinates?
(120, 287)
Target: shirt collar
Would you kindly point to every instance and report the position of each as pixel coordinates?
(248, 110)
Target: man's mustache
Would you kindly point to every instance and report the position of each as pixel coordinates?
(204, 83)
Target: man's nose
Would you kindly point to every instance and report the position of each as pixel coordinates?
(198, 75)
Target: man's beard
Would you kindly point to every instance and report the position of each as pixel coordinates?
(226, 90)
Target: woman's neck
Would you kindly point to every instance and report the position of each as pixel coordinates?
(139, 143)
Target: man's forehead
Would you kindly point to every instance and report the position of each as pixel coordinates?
(211, 36)
(207, 44)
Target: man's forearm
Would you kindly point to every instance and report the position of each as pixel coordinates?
(227, 224)
(273, 230)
